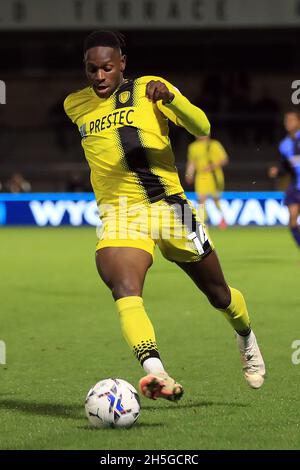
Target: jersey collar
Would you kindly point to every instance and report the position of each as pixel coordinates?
(122, 85)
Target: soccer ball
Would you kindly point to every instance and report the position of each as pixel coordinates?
(112, 403)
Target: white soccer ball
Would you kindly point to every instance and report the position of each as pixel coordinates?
(112, 403)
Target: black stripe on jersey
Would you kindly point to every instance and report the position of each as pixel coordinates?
(184, 211)
(135, 155)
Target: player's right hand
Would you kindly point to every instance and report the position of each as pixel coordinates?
(273, 172)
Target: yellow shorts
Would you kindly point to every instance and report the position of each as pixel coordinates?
(171, 223)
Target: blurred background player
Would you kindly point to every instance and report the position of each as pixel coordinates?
(123, 124)
(18, 184)
(289, 149)
(206, 159)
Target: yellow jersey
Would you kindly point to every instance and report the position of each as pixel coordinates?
(203, 153)
(125, 140)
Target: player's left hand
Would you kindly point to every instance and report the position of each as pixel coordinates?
(157, 90)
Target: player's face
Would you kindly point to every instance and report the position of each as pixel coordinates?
(104, 67)
(291, 122)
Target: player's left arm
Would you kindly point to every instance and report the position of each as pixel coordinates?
(219, 164)
(177, 107)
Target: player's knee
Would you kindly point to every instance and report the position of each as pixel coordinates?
(126, 288)
(220, 298)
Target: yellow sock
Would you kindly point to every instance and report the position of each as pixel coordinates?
(136, 327)
(236, 313)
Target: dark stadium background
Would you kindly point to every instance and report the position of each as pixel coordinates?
(240, 77)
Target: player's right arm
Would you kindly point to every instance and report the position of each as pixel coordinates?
(69, 108)
(190, 168)
(74, 102)
(177, 107)
(190, 172)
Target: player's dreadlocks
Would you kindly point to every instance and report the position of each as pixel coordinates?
(112, 39)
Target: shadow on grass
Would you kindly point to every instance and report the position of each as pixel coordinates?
(199, 404)
(71, 411)
(88, 427)
(76, 411)
(53, 292)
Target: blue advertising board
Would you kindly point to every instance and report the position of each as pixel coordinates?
(76, 209)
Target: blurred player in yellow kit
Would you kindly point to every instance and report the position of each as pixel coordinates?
(124, 128)
(206, 159)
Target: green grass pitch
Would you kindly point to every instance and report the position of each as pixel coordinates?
(62, 335)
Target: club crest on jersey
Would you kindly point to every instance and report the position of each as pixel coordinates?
(124, 97)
